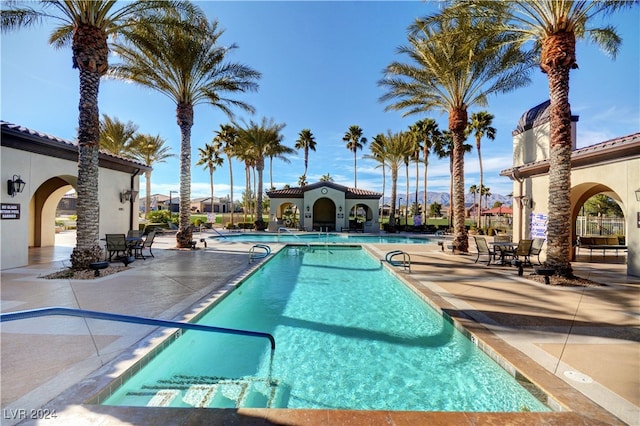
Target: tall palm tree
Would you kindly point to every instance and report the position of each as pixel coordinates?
(427, 132)
(277, 150)
(552, 28)
(258, 139)
(443, 147)
(456, 64)
(186, 64)
(355, 141)
(480, 125)
(306, 141)
(117, 137)
(326, 178)
(377, 154)
(302, 181)
(396, 147)
(86, 26)
(209, 157)
(474, 190)
(225, 139)
(150, 150)
(417, 147)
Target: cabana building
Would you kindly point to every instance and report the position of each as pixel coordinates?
(326, 206)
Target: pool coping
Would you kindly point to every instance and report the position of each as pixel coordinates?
(571, 406)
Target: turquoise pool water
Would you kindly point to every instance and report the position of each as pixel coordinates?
(315, 237)
(348, 335)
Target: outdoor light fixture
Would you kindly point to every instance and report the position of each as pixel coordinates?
(307, 207)
(15, 185)
(637, 194)
(128, 195)
(526, 201)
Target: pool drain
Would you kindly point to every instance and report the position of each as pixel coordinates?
(578, 377)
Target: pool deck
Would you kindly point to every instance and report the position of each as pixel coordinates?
(581, 345)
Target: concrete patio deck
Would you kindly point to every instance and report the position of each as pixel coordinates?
(581, 345)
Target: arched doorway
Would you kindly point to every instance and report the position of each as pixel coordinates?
(42, 209)
(324, 214)
(585, 224)
(358, 216)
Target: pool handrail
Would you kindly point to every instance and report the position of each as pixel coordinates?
(33, 313)
(406, 259)
(218, 232)
(254, 255)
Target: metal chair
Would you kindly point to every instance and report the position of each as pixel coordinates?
(147, 243)
(483, 249)
(536, 248)
(523, 250)
(116, 246)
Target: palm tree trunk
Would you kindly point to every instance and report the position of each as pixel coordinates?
(87, 248)
(259, 168)
(457, 124)
(394, 194)
(231, 186)
(355, 174)
(426, 163)
(406, 203)
(147, 201)
(481, 180)
(559, 219)
(211, 183)
(185, 122)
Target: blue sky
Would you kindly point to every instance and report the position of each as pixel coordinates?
(321, 62)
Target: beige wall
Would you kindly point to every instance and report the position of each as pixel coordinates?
(47, 180)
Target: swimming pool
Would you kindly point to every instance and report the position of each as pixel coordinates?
(349, 335)
(319, 237)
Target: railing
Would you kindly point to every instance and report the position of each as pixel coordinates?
(33, 313)
(406, 259)
(218, 232)
(259, 255)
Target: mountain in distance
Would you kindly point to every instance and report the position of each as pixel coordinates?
(442, 198)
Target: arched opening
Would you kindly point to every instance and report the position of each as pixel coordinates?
(597, 212)
(42, 210)
(358, 215)
(324, 214)
(289, 215)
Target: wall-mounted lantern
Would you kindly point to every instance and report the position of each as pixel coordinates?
(15, 185)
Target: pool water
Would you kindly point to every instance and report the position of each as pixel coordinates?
(348, 335)
(315, 237)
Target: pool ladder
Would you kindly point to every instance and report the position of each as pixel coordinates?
(405, 262)
(253, 254)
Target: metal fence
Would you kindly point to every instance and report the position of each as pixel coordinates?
(594, 225)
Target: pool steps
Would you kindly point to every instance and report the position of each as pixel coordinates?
(214, 392)
(405, 262)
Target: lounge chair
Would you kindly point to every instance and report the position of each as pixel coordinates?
(116, 246)
(147, 243)
(483, 249)
(536, 248)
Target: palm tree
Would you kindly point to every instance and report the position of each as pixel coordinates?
(277, 150)
(257, 140)
(480, 125)
(443, 147)
(474, 190)
(186, 64)
(225, 139)
(377, 154)
(150, 150)
(306, 141)
(211, 160)
(302, 181)
(552, 27)
(355, 141)
(117, 137)
(396, 147)
(457, 63)
(427, 132)
(86, 26)
(326, 178)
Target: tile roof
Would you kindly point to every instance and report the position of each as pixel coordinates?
(611, 150)
(298, 192)
(36, 136)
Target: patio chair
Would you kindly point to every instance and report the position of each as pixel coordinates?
(147, 243)
(523, 250)
(116, 246)
(483, 249)
(536, 248)
(134, 233)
